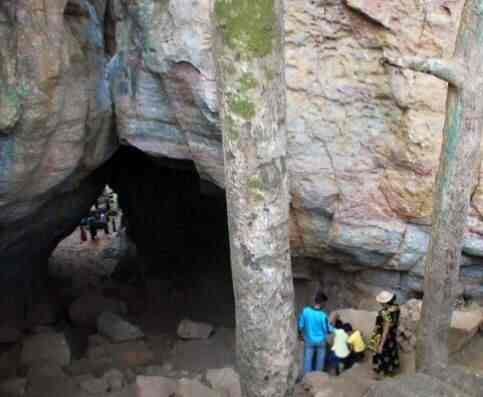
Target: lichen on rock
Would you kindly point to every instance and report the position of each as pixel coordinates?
(248, 26)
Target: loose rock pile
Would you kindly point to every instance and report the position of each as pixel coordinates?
(120, 360)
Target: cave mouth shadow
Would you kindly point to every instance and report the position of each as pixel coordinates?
(178, 226)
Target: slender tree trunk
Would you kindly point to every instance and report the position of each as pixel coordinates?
(459, 164)
(250, 68)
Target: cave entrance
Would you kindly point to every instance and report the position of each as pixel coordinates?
(178, 264)
(168, 261)
(176, 225)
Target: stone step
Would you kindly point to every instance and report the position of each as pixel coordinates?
(418, 385)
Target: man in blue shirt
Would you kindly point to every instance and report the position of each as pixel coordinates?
(315, 326)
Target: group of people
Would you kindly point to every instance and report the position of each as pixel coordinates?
(332, 345)
(99, 218)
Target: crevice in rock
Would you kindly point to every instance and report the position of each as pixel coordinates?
(110, 30)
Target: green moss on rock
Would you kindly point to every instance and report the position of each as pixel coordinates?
(248, 82)
(248, 25)
(255, 185)
(269, 74)
(241, 106)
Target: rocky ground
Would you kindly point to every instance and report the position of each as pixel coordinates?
(105, 336)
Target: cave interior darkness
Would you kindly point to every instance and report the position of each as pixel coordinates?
(178, 224)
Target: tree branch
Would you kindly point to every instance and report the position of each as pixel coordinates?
(448, 70)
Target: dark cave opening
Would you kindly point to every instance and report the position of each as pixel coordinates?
(178, 224)
(168, 261)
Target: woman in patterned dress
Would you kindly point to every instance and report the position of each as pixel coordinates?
(383, 341)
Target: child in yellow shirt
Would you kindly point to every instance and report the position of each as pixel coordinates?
(356, 344)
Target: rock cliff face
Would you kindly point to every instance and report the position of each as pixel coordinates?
(55, 124)
(364, 139)
(55, 132)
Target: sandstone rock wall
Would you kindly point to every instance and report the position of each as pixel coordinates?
(364, 139)
(55, 112)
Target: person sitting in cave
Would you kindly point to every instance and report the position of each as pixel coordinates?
(315, 327)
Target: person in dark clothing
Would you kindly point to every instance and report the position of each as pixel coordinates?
(383, 341)
(92, 224)
(83, 234)
(82, 226)
(103, 221)
(112, 214)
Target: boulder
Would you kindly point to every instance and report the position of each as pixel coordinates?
(93, 385)
(85, 310)
(51, 348)
(116, 328)
(114, 379)
(464, 326)
(155, 386)
(225, 380)
(188, 329)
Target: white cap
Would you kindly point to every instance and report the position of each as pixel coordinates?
(385, 297)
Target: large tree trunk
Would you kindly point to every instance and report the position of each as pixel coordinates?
(250, 68)
(459, 164)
